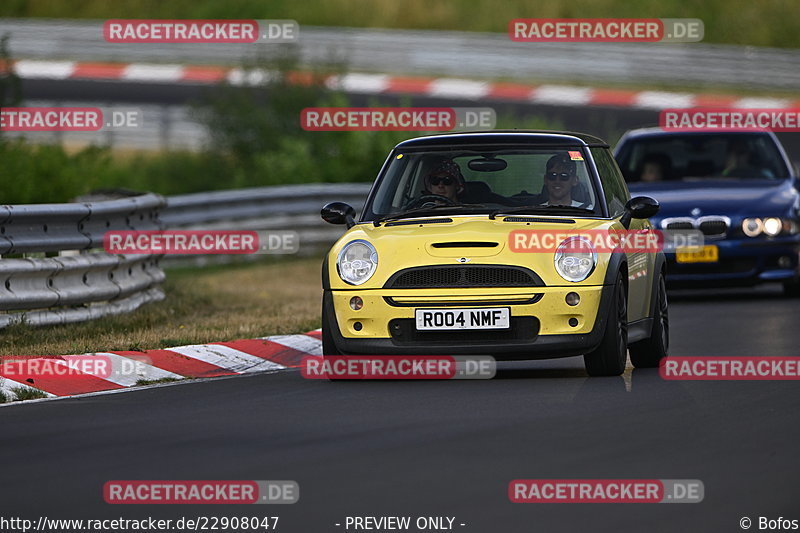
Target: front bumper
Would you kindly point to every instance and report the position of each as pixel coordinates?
(539, 315)
(742, 262)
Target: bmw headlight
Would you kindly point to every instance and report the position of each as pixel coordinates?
(357, 262)
(773, 226)
(575, 259)
(752, 227)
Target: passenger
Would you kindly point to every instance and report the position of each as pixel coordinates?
(739, 163)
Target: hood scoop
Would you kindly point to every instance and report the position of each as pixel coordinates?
(466, 244)
(465, 249)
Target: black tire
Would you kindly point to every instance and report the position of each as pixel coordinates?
(791, 289)
(610, 357)
(328, 344)
(649, 352)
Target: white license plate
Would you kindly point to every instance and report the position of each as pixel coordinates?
(481, 318)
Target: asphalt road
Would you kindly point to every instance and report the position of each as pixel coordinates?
(441, 448)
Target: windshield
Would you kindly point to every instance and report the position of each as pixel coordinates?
(484, 181)
(701, 156)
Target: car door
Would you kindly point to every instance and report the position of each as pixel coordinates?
(640, 263)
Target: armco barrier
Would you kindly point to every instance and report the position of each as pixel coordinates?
(286, 207)
(83, 283)
(80, 283)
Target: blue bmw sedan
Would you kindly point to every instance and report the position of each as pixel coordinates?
(738, 188)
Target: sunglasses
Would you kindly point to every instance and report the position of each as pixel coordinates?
(563, 176)
(446, 180)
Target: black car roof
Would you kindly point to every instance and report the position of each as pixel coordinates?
(533, 137)
(659, 132)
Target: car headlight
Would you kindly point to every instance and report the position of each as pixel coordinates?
(575, 259)
(772, 226)
(752, 227)
(357, 262)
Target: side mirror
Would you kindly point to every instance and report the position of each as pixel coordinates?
(339, 213)
(639, 207)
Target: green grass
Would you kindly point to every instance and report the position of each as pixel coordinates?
(241, 301)
(762, 23)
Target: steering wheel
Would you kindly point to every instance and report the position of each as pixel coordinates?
(429, 199)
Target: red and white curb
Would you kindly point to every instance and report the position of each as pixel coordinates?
(273, 353)
(363, 83)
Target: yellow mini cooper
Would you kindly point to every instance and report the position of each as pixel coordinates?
(476, 244)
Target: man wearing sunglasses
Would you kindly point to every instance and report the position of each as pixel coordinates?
(445, 180)
(560, 178)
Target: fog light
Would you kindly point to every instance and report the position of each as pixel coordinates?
(573, 322)
(356, 303)
(357, 326)
(784, 262)
(573, 298)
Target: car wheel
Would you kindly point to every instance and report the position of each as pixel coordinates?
(649, 352)
(792, 289)
(610, 357)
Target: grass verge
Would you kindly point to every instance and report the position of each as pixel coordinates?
(213, 304)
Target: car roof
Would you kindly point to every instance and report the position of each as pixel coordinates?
(658, 132)
(533, 137)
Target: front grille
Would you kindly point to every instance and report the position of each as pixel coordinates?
(445, 276)
(714, 228)
(404, 332)
(680, 225)
(710, 226)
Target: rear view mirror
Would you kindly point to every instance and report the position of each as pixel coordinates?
(487, 165)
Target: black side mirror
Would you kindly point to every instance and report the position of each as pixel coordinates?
(339, 213)
(639, 207)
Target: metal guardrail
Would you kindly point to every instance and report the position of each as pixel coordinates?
(286, 207)
(82, 283)
(440, 53)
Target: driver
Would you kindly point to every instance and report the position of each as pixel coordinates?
(560, 178)
(445, 180)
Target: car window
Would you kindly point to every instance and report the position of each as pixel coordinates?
(699, 156)
(614, 188)
(494, 177)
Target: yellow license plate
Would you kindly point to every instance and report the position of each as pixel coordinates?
(706, 254)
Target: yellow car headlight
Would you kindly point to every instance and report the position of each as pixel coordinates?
(575, 259)
(357, 262)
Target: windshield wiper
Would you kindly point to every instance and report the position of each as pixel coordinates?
(538, 209)
(420, 210)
